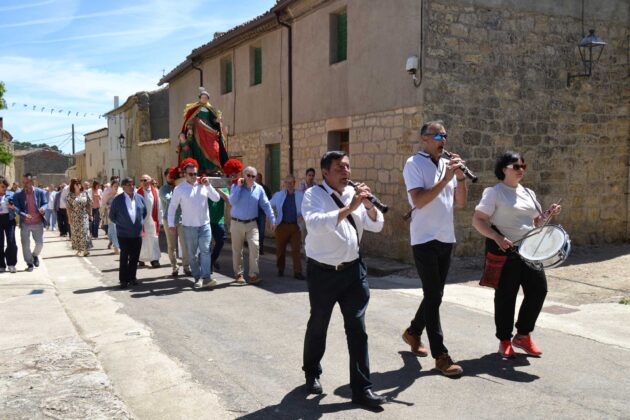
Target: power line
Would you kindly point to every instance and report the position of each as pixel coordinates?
(47, 138)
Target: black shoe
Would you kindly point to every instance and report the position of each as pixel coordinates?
(313, 386)
(141, 263)
(29, 267)
(299, 276)
(188, 273)
(155, 264)
(369, 399)
(261, 252)
(35, 261)
(280, 273)
(134, 282)
(123, 285)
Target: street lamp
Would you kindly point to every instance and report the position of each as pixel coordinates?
(586, 46)
(121, 140)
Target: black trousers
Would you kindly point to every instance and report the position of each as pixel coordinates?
(517, 274)
(351, 290)
(129, 256)
(62, 222)
(8, 256)
(433, 260)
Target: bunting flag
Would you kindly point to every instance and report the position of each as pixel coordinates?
(52, 110)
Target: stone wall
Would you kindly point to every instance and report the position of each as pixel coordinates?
(156, 156)
(497, 77)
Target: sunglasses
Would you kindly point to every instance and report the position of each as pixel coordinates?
(439, 136)
(250, 176)
(191, 173)
(145, 180)
(516, 166)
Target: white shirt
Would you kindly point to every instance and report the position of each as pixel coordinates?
(51, 200)
(193, 200)
(511, 210)
(434, 221)
(63, 200)
(330, 242)
(131, 206)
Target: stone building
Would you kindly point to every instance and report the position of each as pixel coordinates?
(47, 165)
(144, 146)
(79, 169)
(7, 171)
(96, 154)
(494, 70)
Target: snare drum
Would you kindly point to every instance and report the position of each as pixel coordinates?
(545, 247)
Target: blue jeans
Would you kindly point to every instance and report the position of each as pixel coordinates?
(51, 218)
(218, 233)
(113, 235)
(198, 240)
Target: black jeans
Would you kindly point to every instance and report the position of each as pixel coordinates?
(534, 282)
(350, 288)
(96, 221)
(8, 256)
(62, 222)
(433, 260)
(129, 255)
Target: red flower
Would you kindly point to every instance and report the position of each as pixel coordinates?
(173, 172)
(187, 161)
(232, 166)
(186, 148)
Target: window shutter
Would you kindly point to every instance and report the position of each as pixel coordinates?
(228, 77)
(257, 66)
(342, 37)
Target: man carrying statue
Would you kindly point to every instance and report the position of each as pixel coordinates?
(201, 137)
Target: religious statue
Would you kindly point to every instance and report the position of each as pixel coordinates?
(201, 137)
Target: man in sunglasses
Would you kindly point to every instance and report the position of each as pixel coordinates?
(192, 197)
(434, 186)
(246, 198)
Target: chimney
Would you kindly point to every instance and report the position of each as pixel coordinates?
(116, 100)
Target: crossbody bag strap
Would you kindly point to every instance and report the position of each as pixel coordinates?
(340, 205)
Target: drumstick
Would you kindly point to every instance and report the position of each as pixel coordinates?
(534, 231)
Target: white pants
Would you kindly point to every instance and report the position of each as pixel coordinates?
(240, 232)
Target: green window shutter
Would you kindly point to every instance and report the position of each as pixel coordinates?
(228, 77)
(257, 66)
(342, 37)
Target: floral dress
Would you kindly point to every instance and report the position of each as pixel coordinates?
(80, 207)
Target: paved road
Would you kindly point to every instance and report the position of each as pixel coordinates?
(245, 343)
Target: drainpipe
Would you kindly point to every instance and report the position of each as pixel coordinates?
(290, 88)
(194, 66)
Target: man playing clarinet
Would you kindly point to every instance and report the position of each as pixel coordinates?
(434, 186)
(336, 216)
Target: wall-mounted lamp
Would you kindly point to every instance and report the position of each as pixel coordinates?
(412, 68)
(590, 46)
(121, 140)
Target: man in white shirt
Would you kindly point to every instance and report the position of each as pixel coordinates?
(434, 186)
(192, 198)
(336, 216)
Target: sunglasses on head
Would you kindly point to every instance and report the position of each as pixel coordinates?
(517, 166)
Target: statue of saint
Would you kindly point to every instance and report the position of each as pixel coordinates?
(201, 136)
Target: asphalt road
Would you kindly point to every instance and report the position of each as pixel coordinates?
(245, 344)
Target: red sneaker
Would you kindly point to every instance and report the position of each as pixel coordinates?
(505, 348)
(526, 343)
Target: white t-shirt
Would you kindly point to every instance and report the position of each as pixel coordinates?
(434, 221)
(511, 210)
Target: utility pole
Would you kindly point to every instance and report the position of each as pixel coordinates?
(74, 160)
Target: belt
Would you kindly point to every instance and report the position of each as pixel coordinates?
(243, 221)
(339, 267)
(289, 223)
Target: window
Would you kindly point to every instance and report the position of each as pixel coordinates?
(272, 166)
(338, 37)
(103, 158)
(339, 140)
(255, 58)
(226, 75)
(90, 159)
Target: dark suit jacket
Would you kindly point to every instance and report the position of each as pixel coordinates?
(118, 214)
(19, 199)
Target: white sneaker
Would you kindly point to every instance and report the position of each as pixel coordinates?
(198, 284)
(212, 283)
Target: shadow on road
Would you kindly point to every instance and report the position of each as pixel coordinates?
(494, 365)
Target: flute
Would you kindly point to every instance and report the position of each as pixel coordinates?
(467, 172)
(372, 198)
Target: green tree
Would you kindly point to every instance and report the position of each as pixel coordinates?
(2, 90)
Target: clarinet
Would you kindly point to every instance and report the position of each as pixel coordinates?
(467, 172)
(375, 201)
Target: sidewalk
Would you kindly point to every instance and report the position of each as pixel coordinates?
(46, 369)
(64, 354)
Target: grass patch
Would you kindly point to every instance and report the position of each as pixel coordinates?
(625, 301)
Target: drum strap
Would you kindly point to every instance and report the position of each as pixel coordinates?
(538, 209)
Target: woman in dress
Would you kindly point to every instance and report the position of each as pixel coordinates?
(80, 209)
(507, 212)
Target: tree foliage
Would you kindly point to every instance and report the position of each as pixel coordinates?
(2, 90)
(5, 154)
(23, 145)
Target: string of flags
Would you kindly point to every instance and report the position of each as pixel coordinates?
(51, 110)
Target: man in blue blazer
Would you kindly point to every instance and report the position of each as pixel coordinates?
(127, 212)
(288, 205)
(30, 202)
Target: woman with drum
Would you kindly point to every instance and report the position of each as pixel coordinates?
(506, 213)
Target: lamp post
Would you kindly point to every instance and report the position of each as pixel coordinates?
(121, 141)
(586, 46)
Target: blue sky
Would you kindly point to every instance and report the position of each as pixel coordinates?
(76, 55)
